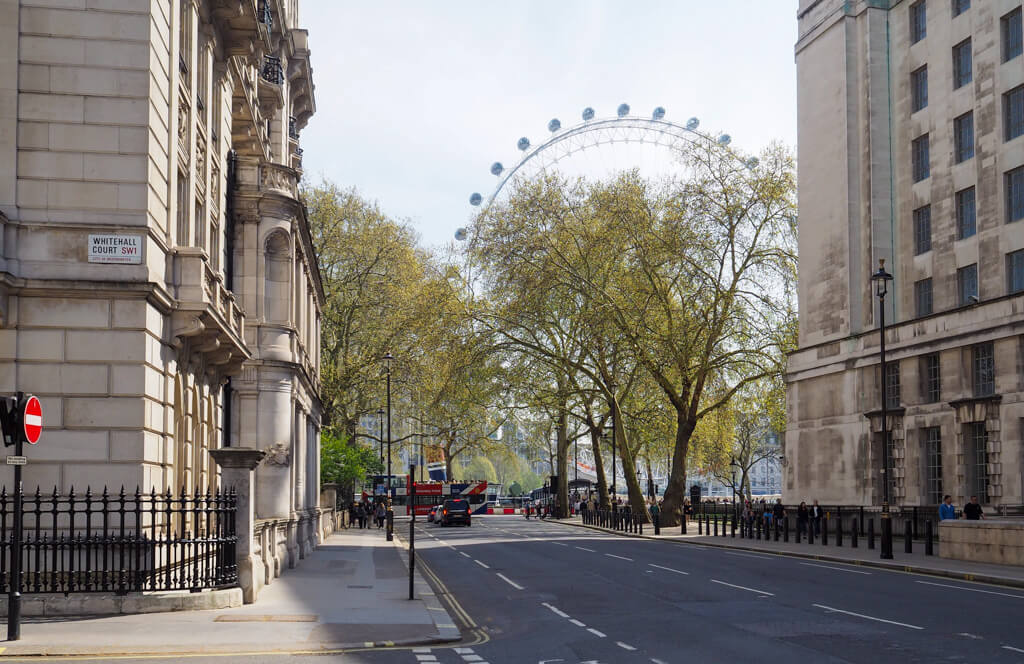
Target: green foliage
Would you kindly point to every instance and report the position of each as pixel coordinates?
(515, 489)
(346, 464)
(481, 468)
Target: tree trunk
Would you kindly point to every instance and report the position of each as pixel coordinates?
(562, 453)
(636, 495)
(675, 492)
(602, 481)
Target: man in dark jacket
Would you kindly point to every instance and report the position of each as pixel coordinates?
(816, 515)
(972, 510)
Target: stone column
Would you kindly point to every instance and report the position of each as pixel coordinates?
(236, 471)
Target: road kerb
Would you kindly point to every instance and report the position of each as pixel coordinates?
(447, 629)
(913, 569)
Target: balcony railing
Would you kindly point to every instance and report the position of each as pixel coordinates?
(292, 131)
(266, 15)
(272, 71)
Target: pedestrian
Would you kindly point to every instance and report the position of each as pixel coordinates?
(381, 513)
(361, 515)
(816, 515)
(972, 510)
(946, 509)
(778, 511)
(802, 515)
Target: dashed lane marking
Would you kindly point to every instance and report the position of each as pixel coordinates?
(612, 555)
(1011, 648)
(577, 622)
(973, 590)
(426, 658)
(463, 651)
(753, 590)
(583, 548)
(596, 632)
(465, 554)
(510, 582)
(866, 617)
(559, 544)
(624, 646)
(658, 661)
(668, 569)
(555, 610)
(838, 569)
(484, 565)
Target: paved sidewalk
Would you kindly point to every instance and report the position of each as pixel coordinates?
(1008, 575)
(352, 592)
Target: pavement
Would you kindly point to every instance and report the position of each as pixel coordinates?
(351, 592)
(916, 562)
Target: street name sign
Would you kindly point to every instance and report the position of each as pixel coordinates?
(16, 460)
(119, 249)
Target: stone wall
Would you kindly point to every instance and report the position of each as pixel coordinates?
(987, 541)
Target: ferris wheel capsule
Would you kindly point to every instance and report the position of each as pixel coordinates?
(658, 113)
(497, 168)
(588, 114)
(724, 139)
(460, 234)
(475, 199)
(523, 144)
(692, 124)
(622, 110)
(554, 125)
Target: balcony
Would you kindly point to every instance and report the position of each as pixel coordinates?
(206, 320)
(272, 71)
(279, 179)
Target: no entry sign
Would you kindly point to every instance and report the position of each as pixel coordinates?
(32, 420)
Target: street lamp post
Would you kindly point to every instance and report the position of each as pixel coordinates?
(733, 464)
(615, 493)
(380, 420)
(881, 281)
(387, 369)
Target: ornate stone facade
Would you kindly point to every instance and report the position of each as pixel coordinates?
(906, 154)
(173, 123)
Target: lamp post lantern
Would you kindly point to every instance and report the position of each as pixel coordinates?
(881, 281)
(390, 517)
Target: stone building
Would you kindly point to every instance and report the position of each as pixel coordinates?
(158, 286)
(911, 149)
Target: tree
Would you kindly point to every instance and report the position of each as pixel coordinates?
(344, 464)
(481, 468)
(515, 490)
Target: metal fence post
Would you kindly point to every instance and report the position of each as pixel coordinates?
(824, 530)
(853, 533)
(839, 531)
(908, 544)
(928, 550)
(871, 533)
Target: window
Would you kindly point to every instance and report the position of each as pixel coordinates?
(918, 22)
(919, 158)
(932, 437)
(199, 239)
(962, 71)
(182, 200)
(960, 6)
(923, 297)
(966, 217)
(1013, 113)
(1011, 29)
(931, 378)
(922, 229)
(963, 137)
(1015, 272)
(202, 76)
(984, 370)
(185, 42)
(892, 384)
(919, 89)
(976, 459)
(1015, 194)
(967, 284)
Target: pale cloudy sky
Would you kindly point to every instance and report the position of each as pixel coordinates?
(416, 98)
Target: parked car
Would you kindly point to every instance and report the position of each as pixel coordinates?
(455, 510)
(432, 514)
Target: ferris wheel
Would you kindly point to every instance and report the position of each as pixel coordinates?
(593, 132)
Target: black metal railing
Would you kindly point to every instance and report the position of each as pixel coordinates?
(121, 542)
(272, 71)
(292, 131)
(266, 14)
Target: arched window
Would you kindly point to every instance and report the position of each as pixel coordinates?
(277, 276)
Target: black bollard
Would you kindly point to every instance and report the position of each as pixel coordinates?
(798, 531)
(657, 525)
(824, 531)
(716, 525)
(928, 551)
(776, 525)
(785, 529)
(862, 520)
(639, 526)
(839, 531)
(734, 524)
(700, 525)
(908, 532)
(810, 531)
(759, 527)
(682, 519)
(871, 533)
(853, 533)
(915, 522)
(707, 523)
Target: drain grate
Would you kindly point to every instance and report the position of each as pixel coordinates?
(265, 618)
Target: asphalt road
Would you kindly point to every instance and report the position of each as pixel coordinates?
(528, 592)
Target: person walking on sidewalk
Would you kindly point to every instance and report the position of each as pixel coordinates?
(946, 509)
(972, 510)
(816, 515)
(381, 513)
(778, 511)
(360, 516)
(802, 515)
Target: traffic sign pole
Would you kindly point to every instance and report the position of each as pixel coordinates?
(14, 588)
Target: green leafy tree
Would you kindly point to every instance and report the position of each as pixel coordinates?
(345, 464)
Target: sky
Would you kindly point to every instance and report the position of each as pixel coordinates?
(416, 99)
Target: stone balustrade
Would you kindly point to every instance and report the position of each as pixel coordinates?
(989, 541)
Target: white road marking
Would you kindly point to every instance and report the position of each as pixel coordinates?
(749, 555)
(1012, 649)
(973, 590)
(465, 554)
(668, 569)
(485, 566)
(577, 622)
(556, 610)
(861, 615)
(968, 635)
(421, 650)
(624, 646)
(510, 582)
(658, 661)
(426, 658)
(612, 555)
(463, 651)
(583, 548)
(753, 590)
(559, 544)
(473, 658)
(838, 569)
(596, 633)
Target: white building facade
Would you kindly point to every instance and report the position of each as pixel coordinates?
(168, 129)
